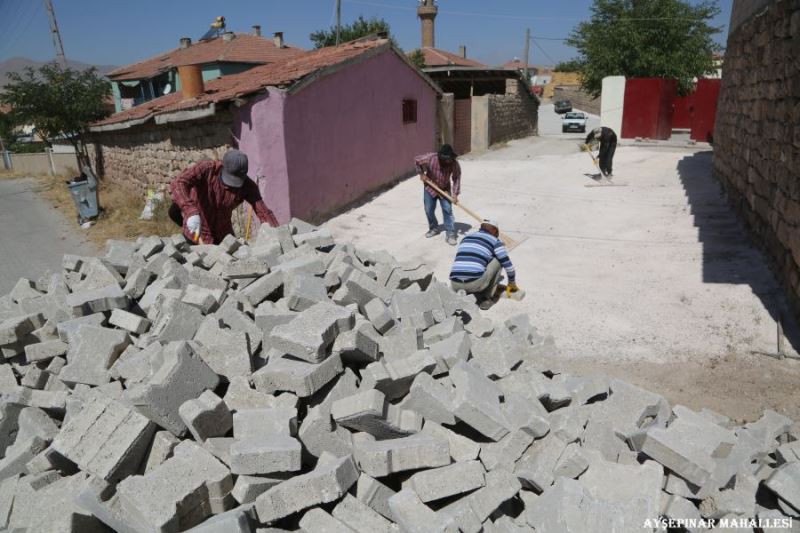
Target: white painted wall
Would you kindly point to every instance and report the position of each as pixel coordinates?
(612, 102)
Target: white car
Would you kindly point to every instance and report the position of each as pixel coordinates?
(574, 121)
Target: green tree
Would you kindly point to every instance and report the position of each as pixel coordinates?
(417, 58)
(573, 65)
(58, 102)
(359, 28)
(646, 38)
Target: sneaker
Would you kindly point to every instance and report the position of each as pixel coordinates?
(451, 240)
(432, 233)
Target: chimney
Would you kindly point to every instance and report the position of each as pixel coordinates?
(228, 36)
(256, 30)
(186, 42)
(277, 38)
(462, 51)
(191, 81)
(427, 11)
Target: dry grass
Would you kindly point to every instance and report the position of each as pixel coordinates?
(120, 210)
(11, 175)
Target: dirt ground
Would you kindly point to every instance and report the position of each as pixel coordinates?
(655, 282)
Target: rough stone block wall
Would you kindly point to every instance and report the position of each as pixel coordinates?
(151, 155)
(513, 115)
(757, 132)
(579, 98)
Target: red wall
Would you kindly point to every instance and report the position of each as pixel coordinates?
(682, 116)
(704, 109)
(647, 110)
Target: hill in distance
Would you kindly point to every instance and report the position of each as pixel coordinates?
(17, 64)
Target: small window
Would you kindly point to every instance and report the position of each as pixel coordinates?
(409, 111)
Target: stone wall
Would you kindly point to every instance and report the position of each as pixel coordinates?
(151, 155)
(512, 115)
(757, 132)
(580, 99)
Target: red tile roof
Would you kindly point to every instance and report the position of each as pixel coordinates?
(283, 73)
(440, 58)
(243, 48)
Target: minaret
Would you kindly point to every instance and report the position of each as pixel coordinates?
(427, 11)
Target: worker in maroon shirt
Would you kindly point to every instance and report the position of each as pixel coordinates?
(206, 194)
(440, 168)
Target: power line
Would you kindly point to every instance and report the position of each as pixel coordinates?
(21, 28)
(552, 61)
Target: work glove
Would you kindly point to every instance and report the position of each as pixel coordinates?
(512, 287)
(584, 147)
(193, 225)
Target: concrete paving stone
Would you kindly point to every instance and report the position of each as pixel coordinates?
(381, 458)
(245, 268)
(266, 455)
(776, 522)
(54, 308)
(788, 453)
(378, 313)
(97, 275)
(460, 511)
(408, 274)
(311, 333)
(319, 434)
(248, 488)
(740, 500)
(368, 411)
(785, 483)
(506, 451)
(638, 485)
(135, 365)
(61, 512)
(241, 395)
(437, 483)
(90, 301)
(572, 463)
(151, 246)
(461, 447)
(786, 509)
(206, 300)
(430, 399)
(236, 520)
(523, 414)
(299, 377)
(568, 423)
(160, 450)
(319, 238)
(679, 508)
(206, 416)
(309, 263)
(601, 437)
(119, 254)
(156, 288)
(769, 427)
(44, 351)
(129, 321)
(401, 341)
(55, 365)
(360, 345)
(374, 495)
(53, 401)
(180, 323)
(361, 518)
(407, 304)
(8, 489)
(47, 332)
(496, 356)
(448, 352)
(302, 252)
(442, 331)
(264, 287)
(8, 381)
(24, 289)
(535, 467)
(413, 516)
(105, 438)
(282, 235)
(163, 305)
(318, 521)
(402, 372)
(233, 316)
(91, 353)
(220, 447)
(360, 289)
(302, 291)
(71, 262)
(268, 315)
(256, 424)
(477, 402)
(14, 329)
(229, 355)
(176, 495)
(328, 482)
(34, 377)
(181, 376)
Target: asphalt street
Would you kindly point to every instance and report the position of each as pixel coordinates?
(33, 235)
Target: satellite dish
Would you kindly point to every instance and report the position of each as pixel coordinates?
(167, 88)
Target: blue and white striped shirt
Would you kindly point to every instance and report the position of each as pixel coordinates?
(474, 254)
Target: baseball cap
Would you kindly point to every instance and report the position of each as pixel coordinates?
(491, 222)
(234, 168)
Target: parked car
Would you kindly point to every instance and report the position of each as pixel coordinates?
(563, 106)
(574, 122)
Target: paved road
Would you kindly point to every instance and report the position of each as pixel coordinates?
(33, 235)
(550, 123)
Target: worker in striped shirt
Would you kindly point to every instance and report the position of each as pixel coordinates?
(479, 260)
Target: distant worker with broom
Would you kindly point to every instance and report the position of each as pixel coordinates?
(440, 168)
(206, 194)
(608, 145)
(477, 269)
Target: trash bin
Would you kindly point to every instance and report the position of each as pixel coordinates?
(84, 194)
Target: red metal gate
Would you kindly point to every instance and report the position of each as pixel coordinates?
(704, 109)
(647, 111)
(462, 126)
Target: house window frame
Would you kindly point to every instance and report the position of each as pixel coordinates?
(409, 111)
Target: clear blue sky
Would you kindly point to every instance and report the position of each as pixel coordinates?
(118, 33)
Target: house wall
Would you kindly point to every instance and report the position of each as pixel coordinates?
(757, 131)
(259, 128)
(612, 103)
(151, 155)
(345, 135)
(513, 115)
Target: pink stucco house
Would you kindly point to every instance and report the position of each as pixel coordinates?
(321, 129)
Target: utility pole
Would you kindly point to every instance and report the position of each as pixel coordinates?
(59, 46)
(338, 20)
(527, 52)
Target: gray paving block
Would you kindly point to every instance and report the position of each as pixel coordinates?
(319, 434)
(572, 463)
(477, 402)
(268, 315)
(461, 447)
(360, 289)
(378, 313)
(204, 299)
(430, 399)
(401, 372)
(264, 287)
(181, 376)
(374, 495)
(129, 321)
(328, 482)
(178, 324)
(105, 438)
(368, 411)
(525, 415)
(91, 353)
(301, 291)
(437, 483)
(535, 467)
(8, 489)
(318, 521)
(161, 449)
(24, 289)
(413, 516)
(401, 341)
(381, 458)
(16, 328)
(637, 485)
(53, 401)
(90, 301)
(206, 416)
(361, 518)
(311, 333)
(245, 268)
(299, 377)
(785, 483)
(248, 488)
(261, 423)
(9, 424)
(266, 455)
(44, 351)
(318, 238)
(229, 355)
(507, 450)
(358, 346)
(136, 283)
(241, 395)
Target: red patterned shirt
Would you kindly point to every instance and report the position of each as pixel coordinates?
(199, 191)
(441, 175)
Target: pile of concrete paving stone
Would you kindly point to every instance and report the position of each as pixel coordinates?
(297, 383)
